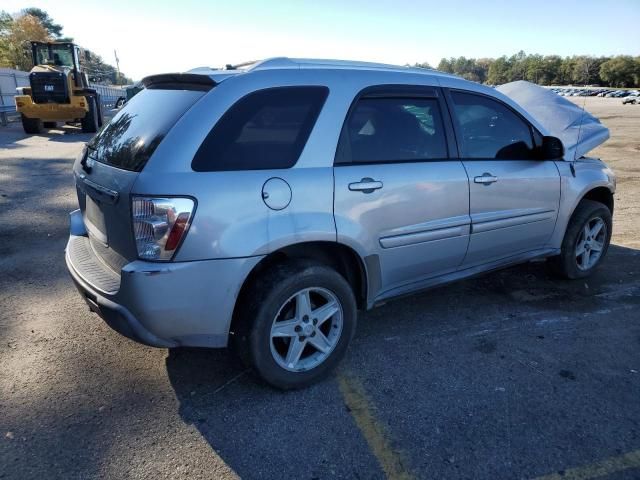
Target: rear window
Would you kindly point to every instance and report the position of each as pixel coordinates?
(266, 129)
(132, 136)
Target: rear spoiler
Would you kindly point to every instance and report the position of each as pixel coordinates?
(179, 81)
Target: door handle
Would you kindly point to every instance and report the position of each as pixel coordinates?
(105, 194)
(366, 185)
(485, 179)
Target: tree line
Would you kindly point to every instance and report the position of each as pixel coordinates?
(617, 71)
(36, 25)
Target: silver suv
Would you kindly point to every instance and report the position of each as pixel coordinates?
(265, 206)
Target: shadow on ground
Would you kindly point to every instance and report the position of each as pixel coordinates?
(14, 138)
(513, 374)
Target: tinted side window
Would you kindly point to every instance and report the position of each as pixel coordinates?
(264, 130)
(490, 129)
(392, 130)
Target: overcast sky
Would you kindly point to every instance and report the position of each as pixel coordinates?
(153, 36)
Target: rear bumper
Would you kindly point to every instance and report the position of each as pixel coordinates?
(77, 108)
(115, 315)
(163, 304)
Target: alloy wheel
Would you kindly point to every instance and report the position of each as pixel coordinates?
(306, 329)
(590, 243)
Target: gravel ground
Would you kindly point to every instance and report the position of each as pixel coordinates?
(511, 375)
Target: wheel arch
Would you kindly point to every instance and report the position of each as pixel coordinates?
(344, 259)
(600, 194)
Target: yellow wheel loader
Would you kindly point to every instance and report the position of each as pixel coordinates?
(59, 90)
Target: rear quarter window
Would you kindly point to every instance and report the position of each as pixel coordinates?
(266, 129)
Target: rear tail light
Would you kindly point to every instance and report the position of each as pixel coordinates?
(160, 224)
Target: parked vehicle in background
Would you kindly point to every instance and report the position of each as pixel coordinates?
(263, 207)
(632, 99)
(132, 90)
(59, 90)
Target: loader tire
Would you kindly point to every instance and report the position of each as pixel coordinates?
(90, 120)
(31, 125)
(100, 114)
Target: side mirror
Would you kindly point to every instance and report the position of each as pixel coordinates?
(551, 148)
(87, 55)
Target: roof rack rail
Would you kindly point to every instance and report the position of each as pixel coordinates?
(276, 63)
(229, 66)
(302, 63)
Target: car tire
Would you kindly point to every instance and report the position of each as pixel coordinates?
(31, 125)
(277, 334)
(90, 120)
(582, 242)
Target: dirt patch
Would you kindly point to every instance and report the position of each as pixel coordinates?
(622, 154)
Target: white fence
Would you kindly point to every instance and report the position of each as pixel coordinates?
(9, 81)
(12, 79)
(109, 94)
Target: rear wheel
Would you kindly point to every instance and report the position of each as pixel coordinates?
(586, 241)
(296, 324)
(31, 125)
(90, 120)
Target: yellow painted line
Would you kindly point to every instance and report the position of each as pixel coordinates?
(373, 431)
(606, 467)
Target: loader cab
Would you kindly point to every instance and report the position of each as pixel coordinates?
(54, 54)
(62, 56)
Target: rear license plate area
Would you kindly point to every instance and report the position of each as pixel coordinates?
(94, 220)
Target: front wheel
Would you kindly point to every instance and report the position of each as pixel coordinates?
(297, 324)
(586, 241)
(31, 125)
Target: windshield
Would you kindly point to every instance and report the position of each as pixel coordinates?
(58, 55)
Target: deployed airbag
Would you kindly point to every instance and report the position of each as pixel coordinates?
(579, 131)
